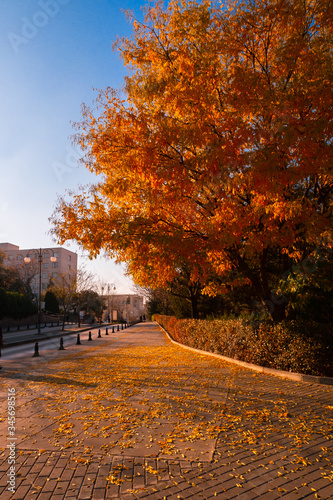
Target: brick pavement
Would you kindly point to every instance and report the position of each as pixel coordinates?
(274, 436)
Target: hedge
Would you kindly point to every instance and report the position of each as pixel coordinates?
(15, 305)
(301, 347)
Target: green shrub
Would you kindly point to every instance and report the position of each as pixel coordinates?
(297, 346)
(51, 303)
(15, 305)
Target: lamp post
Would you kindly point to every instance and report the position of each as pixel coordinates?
(40, 253)
(128, 302)
(114, 288)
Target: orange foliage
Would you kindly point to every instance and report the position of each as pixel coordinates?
(219, 144)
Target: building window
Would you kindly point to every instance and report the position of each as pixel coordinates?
(69, 257)
(19, 257)
(55, 254)
(69, 267)
(45, 276)
(54, 275)
(54, 264)
(46, 265)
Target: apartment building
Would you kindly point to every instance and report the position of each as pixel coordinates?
(51, 262)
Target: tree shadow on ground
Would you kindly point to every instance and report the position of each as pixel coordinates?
(49, 379)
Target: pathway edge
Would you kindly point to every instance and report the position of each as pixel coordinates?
(298, 377)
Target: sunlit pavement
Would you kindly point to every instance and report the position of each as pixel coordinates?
(130, 415)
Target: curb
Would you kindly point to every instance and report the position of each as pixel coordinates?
(57, 333)
(298, 377)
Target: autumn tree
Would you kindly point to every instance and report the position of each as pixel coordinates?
(85, 286)
(17, 278)
(63, 286)
(92, 303)
(219, 144)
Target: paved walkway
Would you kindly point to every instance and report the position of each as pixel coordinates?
(132, 416)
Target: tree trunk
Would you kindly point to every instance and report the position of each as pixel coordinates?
(279, 312)
(194, 307)
(276, 308)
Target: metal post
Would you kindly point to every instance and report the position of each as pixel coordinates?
(89, 338)
(27, 259)
(36, 353)
(40, 259)
(61, 346)
(108, 302)
(78, 342)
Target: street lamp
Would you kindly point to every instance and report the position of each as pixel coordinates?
(114, 288)
(128, 302)
(27, 259)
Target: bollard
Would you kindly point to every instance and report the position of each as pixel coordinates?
(106, 331)
(113, 329)
(36, 353)
(89, 338)
(18, 327)
(78, 342)
(28, 326)
(117, 328)
(61, 346)
(99, 334)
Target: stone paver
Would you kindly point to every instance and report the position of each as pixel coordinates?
(273, 438)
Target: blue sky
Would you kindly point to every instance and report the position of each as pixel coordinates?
(53, 53)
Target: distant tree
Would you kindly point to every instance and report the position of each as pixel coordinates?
(10, 279)
(85, 285)
(3, 303)
(63, 286)
(15, 296)
(28, 272)
(17, 278)
(51, 302)
(92, 303)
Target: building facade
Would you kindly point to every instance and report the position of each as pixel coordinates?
(48, 262)
(128, 307)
